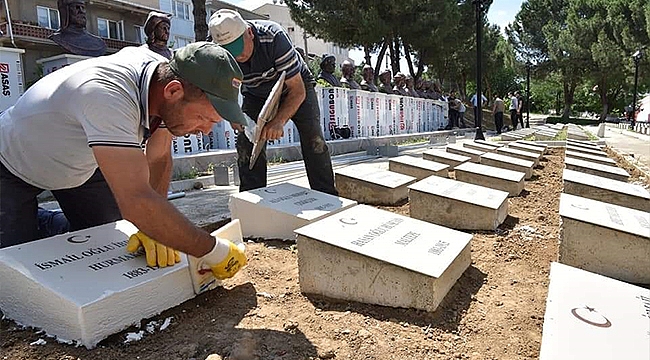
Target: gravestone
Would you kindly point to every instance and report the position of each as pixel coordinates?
(610, 172)
(510, 163)
(510, 136)
(274, 212)
(589, 316)
(378, 257)
(489, 143)
(586, 144)
(474, 155)
(84, 286)
(478, 146)
(607, 239)
(606, 190)
(444, 157)
(518, 145)
(591, 158)
(457, 205)
(586, 151)
(369, 185)
(535, 144)
(523, 155)
(417, 167)
(492, 177)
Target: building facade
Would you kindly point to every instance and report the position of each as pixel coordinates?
(312, 45)
(118, 22)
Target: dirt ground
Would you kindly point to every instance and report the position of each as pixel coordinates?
(495, 310)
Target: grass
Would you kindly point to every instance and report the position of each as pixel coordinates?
(412, 141)
(192, 174)
(530, 137)
(561, 135)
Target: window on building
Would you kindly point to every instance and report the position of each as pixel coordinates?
(110, 29)
(48, 18)
(180, 41)
(181, 9)
(140, 37)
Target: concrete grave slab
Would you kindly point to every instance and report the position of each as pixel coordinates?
(489, 143)
(84, 286)
(511, 137)
(474, 155)
(374, 256)
(607, 239)
(417, 167)
(508, 162)
(535, 144)
(444, 157)
(372, 186)
(606, 190)
(588, 167)
(591, 158)
(589, 316)
(585, 143)
(586, 151)
(480, 147)
(518, 145)
(457, 205)
(274, 212)
(577, 135)
(492, 177)
(523, 155)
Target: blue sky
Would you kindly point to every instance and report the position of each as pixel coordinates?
(502, 12)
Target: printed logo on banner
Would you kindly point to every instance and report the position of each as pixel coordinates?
(4, 68)
(6, 85)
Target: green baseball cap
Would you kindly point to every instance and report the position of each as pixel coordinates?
(212, 69)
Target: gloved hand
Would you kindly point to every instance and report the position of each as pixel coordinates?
(157, 254)
(225, 259)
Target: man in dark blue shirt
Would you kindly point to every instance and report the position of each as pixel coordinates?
(263, 51)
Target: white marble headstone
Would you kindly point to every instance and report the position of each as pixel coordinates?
(589, 316)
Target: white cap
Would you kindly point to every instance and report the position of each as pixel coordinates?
(226, 26)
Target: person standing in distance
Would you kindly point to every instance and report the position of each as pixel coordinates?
(263, 51)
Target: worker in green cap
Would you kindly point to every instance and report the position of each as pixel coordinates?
(79, 133)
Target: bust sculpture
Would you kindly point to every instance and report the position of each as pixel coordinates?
(368, 82)
(73, 36)
(400, 84)
(327, 67)
(347, 80)
(157, 30)
(384, 79)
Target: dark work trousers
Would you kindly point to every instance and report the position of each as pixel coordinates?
(453, 119)
(521, 119)
(498, 121)
(315, 152)
(513, 119)
(88, 205)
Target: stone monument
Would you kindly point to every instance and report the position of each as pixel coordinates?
(384, 79)
(327, 67)
(157, 30)
(73, 36)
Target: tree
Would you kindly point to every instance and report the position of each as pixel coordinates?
(200, 16)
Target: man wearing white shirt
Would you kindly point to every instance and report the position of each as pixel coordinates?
(475, 104)
(514, 105)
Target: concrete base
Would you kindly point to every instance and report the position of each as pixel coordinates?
(388, 150)
(591, 158)
(492, 177)
(577, 135)
(606, 239)
(84, 286)
(517, 145)
(523, 155)
(538, 144)
(493, 144)
(416, 167)
(511, 137)
(474, 155)
(593, 317)
(586, 144)
(479, 147)
(444, 157)
(606, 190)
(274, 212)
(377, 187)
(457, 205)
(587, 167)
(377, 257)
(510, 163)
(586, 151)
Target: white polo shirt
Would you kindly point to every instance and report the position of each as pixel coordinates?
(46, 137)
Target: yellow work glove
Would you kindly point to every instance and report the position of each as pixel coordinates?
(157, 254)
(225, 259)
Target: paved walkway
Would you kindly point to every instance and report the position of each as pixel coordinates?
(627, 143)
